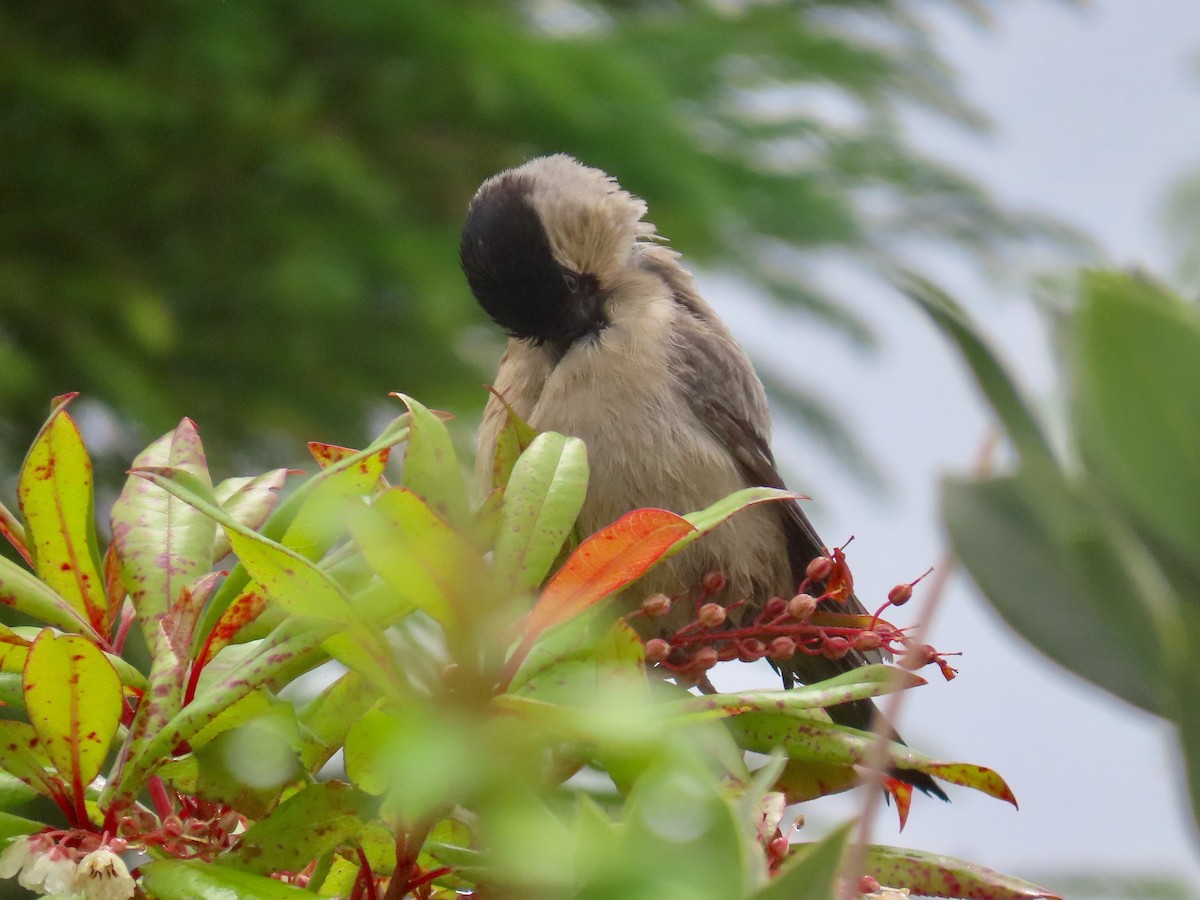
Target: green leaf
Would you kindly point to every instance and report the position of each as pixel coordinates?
(163, 545)
(24, 591)
(310, 520)
(811, 870)
(249, 500)
(809, 739)
(422, 558)
(73, 697)
(513, 439)
(544, 495)
(710, 517)
(431, 469)
(1002, 394)
(1043, 557)
(328, 716)
(858, 684)
(55, 493)
(23, 756)
(172, 879)
(1138, 403)
(314, 821)
(931, 875)
(11, 826)
(287, 577)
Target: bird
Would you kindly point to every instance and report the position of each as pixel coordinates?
(610, 341)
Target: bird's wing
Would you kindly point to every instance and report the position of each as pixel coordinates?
(724, 394)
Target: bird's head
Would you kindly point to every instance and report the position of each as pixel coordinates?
(544, 244)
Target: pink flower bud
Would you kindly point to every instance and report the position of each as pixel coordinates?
(711, 615)
(714, 582)
(867, 641)
(657, 650)
(900, 594)
(656, 605)
(781, 648)
(867, 885)
(835, 647)
(819, 568)
(705, 659)
(802, 606)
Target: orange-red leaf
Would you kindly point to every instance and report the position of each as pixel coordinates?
(606, 562)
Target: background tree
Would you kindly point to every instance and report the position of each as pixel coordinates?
(248, 213)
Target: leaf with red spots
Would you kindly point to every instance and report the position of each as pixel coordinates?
(804, 738)
(288, 578)
(241, 612)
(248, 499)
(512, 440)
(932, 875)
(431, 469)
(24, 591)
(55, 493)
(73, 697)
(23, 756)
(307, 825)
(543, 497)
(310, 520)
(163, 543)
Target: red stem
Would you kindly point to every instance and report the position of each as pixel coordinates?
(158, 793)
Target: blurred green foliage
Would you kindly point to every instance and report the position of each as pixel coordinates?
(248, 212)
(1092, 553)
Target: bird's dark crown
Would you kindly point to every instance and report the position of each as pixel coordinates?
(512, 271)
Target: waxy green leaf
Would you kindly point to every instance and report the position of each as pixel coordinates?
(544, 495)
(308, 824)
(174, 879)
(73, 697)
(422, 558)
(431, 469)
(55, 493)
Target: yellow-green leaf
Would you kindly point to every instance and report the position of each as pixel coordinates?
(55, 492)
(73, 697)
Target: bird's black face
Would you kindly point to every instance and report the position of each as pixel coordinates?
(513, 273)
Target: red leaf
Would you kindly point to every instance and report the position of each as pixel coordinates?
(606, 562)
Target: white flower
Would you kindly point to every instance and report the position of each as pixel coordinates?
(49, 872)
(888, 894)
(104, 876)
(13, 859)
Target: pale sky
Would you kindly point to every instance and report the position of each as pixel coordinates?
(1095, 110)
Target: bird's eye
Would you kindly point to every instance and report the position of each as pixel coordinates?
(572, 281)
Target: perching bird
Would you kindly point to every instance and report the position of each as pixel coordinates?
(610, 341)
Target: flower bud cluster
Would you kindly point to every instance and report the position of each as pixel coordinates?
(782, 628)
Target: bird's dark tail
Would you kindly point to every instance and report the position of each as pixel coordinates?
(861, 714)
